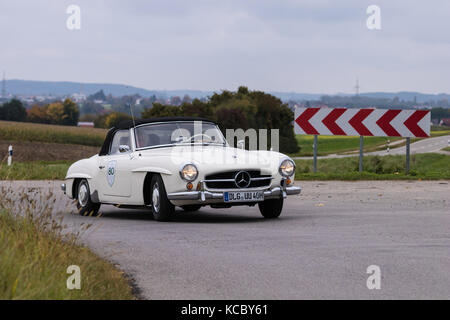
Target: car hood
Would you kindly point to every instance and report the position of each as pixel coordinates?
(215, 158)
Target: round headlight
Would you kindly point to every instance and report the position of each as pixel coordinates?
(189, 172)
(287, 168)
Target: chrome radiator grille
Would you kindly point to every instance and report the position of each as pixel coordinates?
(239, 179)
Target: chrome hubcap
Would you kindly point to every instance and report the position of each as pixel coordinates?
(155, 198)
(83, 195)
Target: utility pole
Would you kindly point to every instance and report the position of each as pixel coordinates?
(357, 87)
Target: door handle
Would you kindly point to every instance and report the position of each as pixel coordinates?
(101, 167)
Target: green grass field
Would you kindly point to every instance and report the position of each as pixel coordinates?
(35, 132)
(35, 252)
(341, 144)
(35, 170)
(336, 144)
(422, 166)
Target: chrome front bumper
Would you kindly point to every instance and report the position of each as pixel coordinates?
(204, 195)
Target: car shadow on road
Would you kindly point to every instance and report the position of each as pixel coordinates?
(202, 216)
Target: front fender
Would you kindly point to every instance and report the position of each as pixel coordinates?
(85, 169)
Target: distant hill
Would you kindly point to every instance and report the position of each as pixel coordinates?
(402, 95)
(60, 88)
(408, 96)
(295, 96)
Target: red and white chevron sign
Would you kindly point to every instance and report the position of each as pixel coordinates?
(363, 122)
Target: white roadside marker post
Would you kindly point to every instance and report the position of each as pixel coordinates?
(10, 153)
(315, 154)
(408, 150)
(361, 153)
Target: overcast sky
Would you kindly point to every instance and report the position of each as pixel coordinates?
(318, 46)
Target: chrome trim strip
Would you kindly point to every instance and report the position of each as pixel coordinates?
(219, 180)
(261, 178)
(232, 180)
(173, 121)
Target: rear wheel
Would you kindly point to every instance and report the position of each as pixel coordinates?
(84, 203)
(162, 208)
(191, 207)
(271, 208)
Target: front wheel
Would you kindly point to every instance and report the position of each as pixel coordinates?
(84, 203)
(162, 208)
(271, 209)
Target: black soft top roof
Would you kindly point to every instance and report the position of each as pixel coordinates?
(127, 124)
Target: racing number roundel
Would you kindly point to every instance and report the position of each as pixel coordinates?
(111, 173)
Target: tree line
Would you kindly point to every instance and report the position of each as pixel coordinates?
(242, 109)
(62, 113)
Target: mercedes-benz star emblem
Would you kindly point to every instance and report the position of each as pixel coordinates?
(242, 179)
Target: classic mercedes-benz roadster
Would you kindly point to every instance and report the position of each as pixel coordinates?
(185, 162)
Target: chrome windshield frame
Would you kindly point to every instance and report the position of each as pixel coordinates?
(224, 144)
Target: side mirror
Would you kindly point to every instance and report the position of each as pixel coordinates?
(123, 148)
(241, 144)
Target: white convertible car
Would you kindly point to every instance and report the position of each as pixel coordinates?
(186, 162)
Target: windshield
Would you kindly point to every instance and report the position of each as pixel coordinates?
(178, 133)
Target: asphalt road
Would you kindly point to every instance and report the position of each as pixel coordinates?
(422, 146)
(319, 248)
(428, 145)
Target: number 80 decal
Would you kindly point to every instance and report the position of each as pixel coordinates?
(111, 173)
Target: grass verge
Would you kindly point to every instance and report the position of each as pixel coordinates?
(36, 170)
(429, 166)
(35, 253)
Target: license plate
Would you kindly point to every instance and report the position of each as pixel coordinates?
(243, 196)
